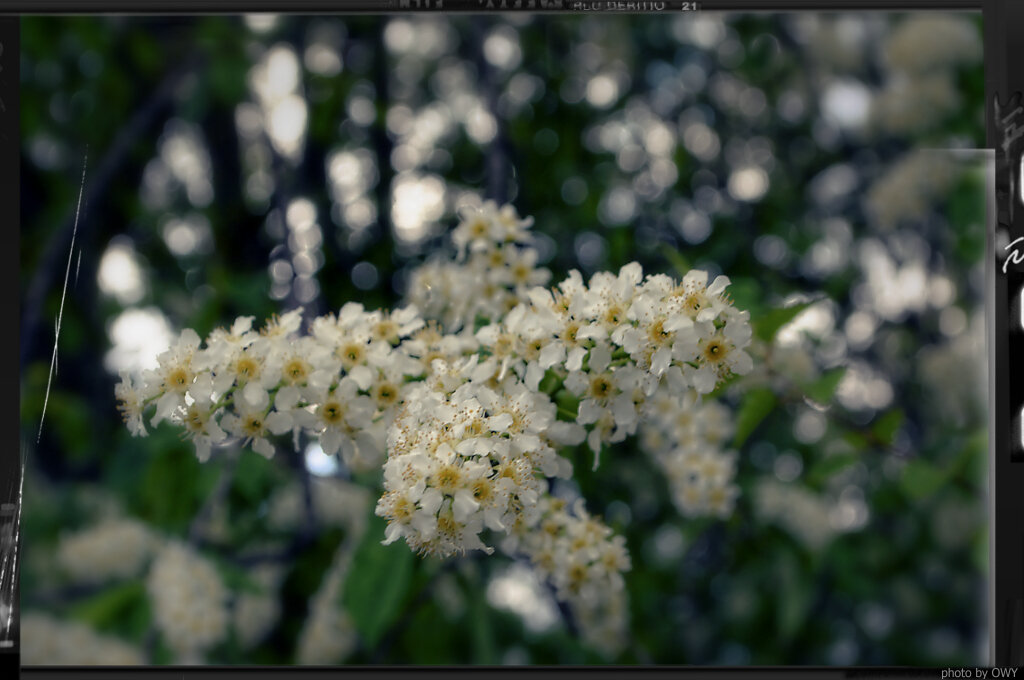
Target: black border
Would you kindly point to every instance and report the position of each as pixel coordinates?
(383, 6)
(509, 672)
(10, 200)
(1002, 94)
(1004, 48)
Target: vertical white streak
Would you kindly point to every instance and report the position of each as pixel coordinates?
(9, 561)
(60, 312)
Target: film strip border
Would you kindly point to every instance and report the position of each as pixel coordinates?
(10, 454)
(1004, 50)
(1004, 94)
(384, 6)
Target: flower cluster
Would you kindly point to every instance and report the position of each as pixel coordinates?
(581, 559)
(921, 56)
(470, 447)
(932, 41)
(114, 548)
(685, 437)
(328, 635)
(494, 268)
(469, 404)
(464, 454)
(953, 373)
(255, 613)
(336, 503)
(189, 600)
(784, 368)
(340, 383)
(910, 187)
(51, 642)
(796, 510)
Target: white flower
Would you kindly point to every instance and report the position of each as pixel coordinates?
(254, 422)
(223, 344)
(486, 225)
(131, 404)
(609, 297)
(174, 375)
(199, 421)
(281, 327)
(340, 417)
(410, 511)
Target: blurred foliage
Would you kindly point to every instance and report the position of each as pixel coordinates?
(900, 589)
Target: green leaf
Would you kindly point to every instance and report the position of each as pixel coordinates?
(856, 439)
(756, 406)
(921, 479)
(824, 388)
(826, 468)
(113, 606)
(886, 427)
(769, 323)
(377, 584)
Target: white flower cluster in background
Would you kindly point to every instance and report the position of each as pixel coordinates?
(932, 41)
(189, 601)
(921, 56)
(687, 439)
(493, 269)
(802, 513)
(954, 373)
(328, 636)
(578, 555)
(834, 40)
(781, 367)
(336, 503)
(255, 613)
(46, 641)
(114, 548)
(908, 189)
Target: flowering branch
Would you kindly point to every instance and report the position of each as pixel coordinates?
(466, 396)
